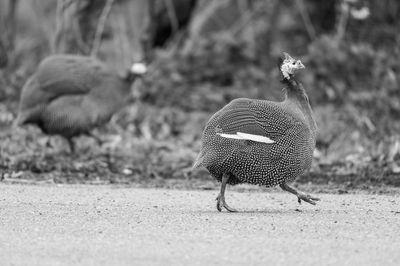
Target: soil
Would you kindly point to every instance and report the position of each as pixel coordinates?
(114, 225)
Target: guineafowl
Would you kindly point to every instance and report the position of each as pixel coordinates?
(261, 142)
(69, 95)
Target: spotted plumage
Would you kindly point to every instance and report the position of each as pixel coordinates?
(69, 95)
(289, 125)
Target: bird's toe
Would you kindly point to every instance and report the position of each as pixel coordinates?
(229, 209)
(307, 198)
(222, 204)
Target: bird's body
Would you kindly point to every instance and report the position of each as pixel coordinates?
(254, 162)
(69, 95)
(277, 145)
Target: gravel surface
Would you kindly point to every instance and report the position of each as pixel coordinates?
(104, 225)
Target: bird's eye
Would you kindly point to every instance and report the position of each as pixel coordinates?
(293, 63)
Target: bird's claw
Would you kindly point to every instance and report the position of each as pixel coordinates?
(307, 198)
(221, 203)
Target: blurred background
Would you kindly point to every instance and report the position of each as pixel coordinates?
(203, 54)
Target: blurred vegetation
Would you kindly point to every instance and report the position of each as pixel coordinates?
(203, 54)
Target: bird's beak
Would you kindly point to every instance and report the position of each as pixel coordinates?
(300, 64)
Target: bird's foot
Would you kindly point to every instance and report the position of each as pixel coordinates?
(221, 203)
(96, 138)
(71, 146)
(307, 198)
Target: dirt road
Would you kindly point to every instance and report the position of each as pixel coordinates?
(99, 225)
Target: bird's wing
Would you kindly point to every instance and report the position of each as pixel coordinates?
(259, 121)
(70, 75)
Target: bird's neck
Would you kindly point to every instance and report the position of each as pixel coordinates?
(294, 91)
(296, 94)
(130, 77)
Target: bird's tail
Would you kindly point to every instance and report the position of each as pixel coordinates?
(199, 161)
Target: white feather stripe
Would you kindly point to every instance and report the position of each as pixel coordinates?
(256, 138)
(229, 136)
(246, 136)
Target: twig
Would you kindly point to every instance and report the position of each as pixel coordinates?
(271, 34)
(77, 33)
(246, 18)
(59, 26)
(122, 39)
(369, 124)
(11, 21)
(118, 42)
(147, 37)
(8, 34)
(342, 22)
(100, 27)
(306, 19)
(172, 15)
(216, 19)
(66, 10)
(174, 45)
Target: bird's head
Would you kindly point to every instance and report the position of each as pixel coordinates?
(288, 66)
(137, 70)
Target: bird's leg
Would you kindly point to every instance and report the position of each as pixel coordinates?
(300, 195)
(96, 138)
(71, 145)
(48, 143)
(221, 197)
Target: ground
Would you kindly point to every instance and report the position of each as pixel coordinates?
(114, 225)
